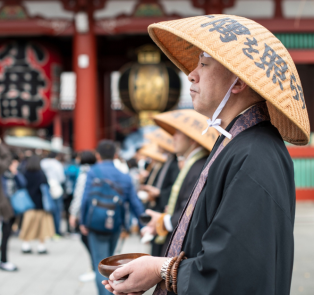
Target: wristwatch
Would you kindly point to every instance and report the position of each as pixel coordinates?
(163, 271)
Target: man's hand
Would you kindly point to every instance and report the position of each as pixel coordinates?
(83, 230)
(155, 216)
(143, 175)
(143, 273)
(153, 192)
(72, 221)
(148, 230)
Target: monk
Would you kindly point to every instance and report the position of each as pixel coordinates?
(236, 230)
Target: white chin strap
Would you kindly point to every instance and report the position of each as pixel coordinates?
(214, 122)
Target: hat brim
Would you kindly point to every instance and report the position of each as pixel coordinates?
(150, 152)
(162, 139)
(183, 40)
(190, 123)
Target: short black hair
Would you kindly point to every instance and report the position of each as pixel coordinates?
(87, 157)
(106, 149)
(52, 155)
(15, 156)
(33, 163)
(132, 163)
(74, 155)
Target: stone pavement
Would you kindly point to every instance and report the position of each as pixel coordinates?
(57, 273)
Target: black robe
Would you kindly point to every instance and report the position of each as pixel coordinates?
(162, 200)
(184, 194)
(165, 190)
(240, 239)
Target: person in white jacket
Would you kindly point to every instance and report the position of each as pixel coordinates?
(87, 159)
(54, 172)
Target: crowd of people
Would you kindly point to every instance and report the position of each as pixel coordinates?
(98, 194)
(28, 171)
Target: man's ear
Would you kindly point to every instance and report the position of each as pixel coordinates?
(239, 87)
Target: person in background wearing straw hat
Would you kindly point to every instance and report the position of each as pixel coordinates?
(156, 158)
(159, 192)
(236, 231)
(168, 173)
(188, 147)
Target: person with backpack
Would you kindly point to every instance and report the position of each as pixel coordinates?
(102, 210)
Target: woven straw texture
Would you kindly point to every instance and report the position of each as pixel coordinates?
(190, 123)
(162, 139)
(252, 53)
(151, 151)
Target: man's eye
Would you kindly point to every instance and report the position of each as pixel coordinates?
(202, 64)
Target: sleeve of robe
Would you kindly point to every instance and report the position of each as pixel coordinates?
(239, 247)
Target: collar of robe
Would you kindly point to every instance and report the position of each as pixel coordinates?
(214, 121)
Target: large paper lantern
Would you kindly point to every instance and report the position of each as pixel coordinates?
(149, 86)
(29, 83)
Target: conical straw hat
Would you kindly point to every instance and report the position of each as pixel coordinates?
(151, 151)
(189, 122)
(252, 53)
(161, 138)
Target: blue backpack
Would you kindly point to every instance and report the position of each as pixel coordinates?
(71, 173)
(105, 207)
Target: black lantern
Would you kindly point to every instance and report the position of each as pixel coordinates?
(149, 86)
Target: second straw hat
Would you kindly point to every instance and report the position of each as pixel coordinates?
(189, 122)
(151, 151)
(248, 50)
(161, 138)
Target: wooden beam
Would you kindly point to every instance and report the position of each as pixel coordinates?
(301, 152)
(127, 25)
(76, 5)
(130, 25)
(305, 194)
(305, 56)
(36, 26)
(287, 25)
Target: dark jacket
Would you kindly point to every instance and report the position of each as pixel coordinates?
(6, 211)
(34, 180)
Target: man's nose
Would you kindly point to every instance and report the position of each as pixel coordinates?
(193, 77)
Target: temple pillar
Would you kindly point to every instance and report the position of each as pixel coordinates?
(84, 65)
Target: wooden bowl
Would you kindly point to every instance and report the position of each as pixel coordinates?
(108, 265)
